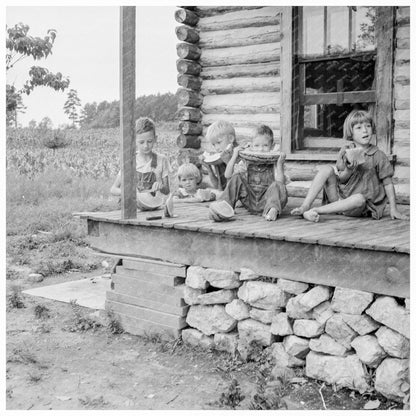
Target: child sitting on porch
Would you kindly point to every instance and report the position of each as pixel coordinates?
(152, 169)
(259, 186)
(190, 187)
(360, 184)
(221, 135)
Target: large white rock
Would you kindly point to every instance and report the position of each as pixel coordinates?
(248, 274)
(190, 295)
(314, 297)
(295, 310)
(281, 325)
(392, 378)
(265, 316)
(250, 330)
(282, 358)
(238, 309)
(296, 346)
(218, 296)
(327, 345)
(362, 324)
(195, 278)
(223, 279)
(339, 330)
(341, 371)
(386, 310)
(263, 295)
(368, 350)
(210, 319)
(393, 343)
(226, 342)
(307, 328)
(196, 338)
(291, 286)
(350, 300)
(322, 312)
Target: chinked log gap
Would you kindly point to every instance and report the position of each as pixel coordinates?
(189, 93)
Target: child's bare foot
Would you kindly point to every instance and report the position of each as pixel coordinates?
(299, 210)
(311, 215)
(271, 215)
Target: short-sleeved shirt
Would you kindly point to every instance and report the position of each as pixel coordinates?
(369, 180)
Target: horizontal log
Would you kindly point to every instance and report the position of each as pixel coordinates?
(403, 32)
(402, 135)
(240, 55)
(403, 15)
(401, 104)
(402, 124)
(402, 70)
(187, 127)
(243, 18)
(204, 11)
(252, 102)
(186, 155)
(401, 115)
(402, 55)
(302, 171)
(189, 98)
(239, 37)
(186, 17)
(244, 70)
(188, 140)
(189, 114)
(187, 34)
(188, 51)
(188, 67)
(403, 193)
(189, 81)
(402, 172)
(244, 134)
(401, 79)
(402, 92)
(332, 97)
(249, 120)
(240, 84)
(403, 43)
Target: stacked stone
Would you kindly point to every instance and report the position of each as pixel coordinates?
(338, 334)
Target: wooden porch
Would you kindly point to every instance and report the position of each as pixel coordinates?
(356, 253)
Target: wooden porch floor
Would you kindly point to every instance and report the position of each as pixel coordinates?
(332, 230)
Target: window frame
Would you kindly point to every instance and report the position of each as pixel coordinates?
(291, 118)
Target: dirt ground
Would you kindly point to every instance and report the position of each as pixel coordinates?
(50, 367)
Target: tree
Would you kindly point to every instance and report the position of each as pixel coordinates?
(20, 46)
(88, 114)
(71, 106)
(45, 124)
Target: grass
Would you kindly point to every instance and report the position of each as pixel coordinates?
(14, 298)
(80, 322)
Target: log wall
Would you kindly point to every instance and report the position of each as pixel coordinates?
(401, 108)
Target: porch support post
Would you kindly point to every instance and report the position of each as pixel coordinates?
(127, 101)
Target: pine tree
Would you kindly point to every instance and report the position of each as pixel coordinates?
(71, 106)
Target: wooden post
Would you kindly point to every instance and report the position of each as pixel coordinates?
(127, 101)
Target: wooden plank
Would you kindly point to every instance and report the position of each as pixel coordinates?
(239, 37)
(236, 55)
(332, 97)
(384, 34)
(250, 102)
(240, 85)
(143, 327)
(286, 70)
(242, 70)
(205, 11)
(161, 293)
(264, 16)
(148, 276)
(152, 315)
(127, 118)
(323, 142)
(319, 264)
(249, 120)
(318, 157)
(146, 303)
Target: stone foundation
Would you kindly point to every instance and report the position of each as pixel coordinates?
(340, 335)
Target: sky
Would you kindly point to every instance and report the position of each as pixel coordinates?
(86, 50)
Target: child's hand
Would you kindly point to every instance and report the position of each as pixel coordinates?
(237, 150)
(396, 215)
(282, 156)
(155, 187)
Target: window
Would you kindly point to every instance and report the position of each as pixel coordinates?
(329, 66)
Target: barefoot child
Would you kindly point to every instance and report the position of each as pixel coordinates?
(221, 135)
(361, 184)
(259, 186)
(190, 189)
(152, 169)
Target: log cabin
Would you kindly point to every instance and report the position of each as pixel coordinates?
(299, 70)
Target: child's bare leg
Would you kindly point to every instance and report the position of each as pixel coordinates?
(271, 215)
(280, 168)
(324, 178)
(352, 202)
